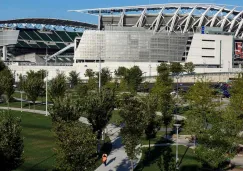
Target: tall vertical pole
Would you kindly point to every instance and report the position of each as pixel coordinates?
(99, 74)
(177, 127)
(21, 100)
(46, 86)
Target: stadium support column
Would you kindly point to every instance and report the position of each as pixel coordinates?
(99, 22)
(4, 53)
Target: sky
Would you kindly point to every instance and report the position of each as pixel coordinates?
(12, 9)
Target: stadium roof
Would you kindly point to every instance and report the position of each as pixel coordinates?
(47, 22)
(138, 8)
(176, 17)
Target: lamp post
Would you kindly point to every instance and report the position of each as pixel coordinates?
(21, 93)
(99, 74)
(177, 132)
(46, 85)
(177, 89)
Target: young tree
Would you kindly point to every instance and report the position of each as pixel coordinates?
(162, 90)
(98, 109)
(89, 73)
(73, 78)
(153, 125)
(133, 78)
(2, 65)
(105, 76)
(189, 67)
(134, 116)
(11, 142)
(75, 146)
(121, 72)
(166, 162)
(176, 68)
(58, 87)
(6, 83)
(66, 109)
(33, 85)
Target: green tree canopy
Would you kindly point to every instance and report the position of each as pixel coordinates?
(134, 116)
(133, 78)
(66, 109)
(34, 84)
(6, 83)
(189, 67)
(57, 86)
(11, 142)
(75, 146)
(105, 76)
(176, 68)
(121, 72)
(73, 78)
(89, 73)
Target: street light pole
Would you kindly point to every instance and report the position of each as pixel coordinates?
(99, 74)
(177, 132)
(46, 86)
(21, 101)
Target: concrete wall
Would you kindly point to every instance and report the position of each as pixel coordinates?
(207, 49)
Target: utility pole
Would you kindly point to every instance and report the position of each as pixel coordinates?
(177, 132)
(99, 74)
(46, 86)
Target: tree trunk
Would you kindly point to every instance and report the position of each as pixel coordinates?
(149, 146)
(132, 165)
(166, 131)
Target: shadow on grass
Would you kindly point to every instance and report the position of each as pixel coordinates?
(33, 126)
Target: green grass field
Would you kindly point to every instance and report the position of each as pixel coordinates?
(188, 163)
(39, 142)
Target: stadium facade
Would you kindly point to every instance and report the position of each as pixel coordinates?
(209, 35)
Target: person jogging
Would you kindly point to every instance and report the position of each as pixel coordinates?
(104, 158)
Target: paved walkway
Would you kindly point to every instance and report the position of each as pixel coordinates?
(117, 160)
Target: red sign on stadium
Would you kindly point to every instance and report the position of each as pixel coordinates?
(238, 50)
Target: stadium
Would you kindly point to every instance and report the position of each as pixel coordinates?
(209, 35)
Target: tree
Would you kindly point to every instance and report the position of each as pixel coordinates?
(216, 130)
(89, 73)
(98, 109)
(153, 125)
(162, 90)
(2, 65)
(73, 78)
(134, 116)
(133, 78)
(66, 109)
(75, 146)
(58, 87)
(189, 67)
(105, 76)
(121, 72)
(7, 82)
(236, 100)
(176, 68)
(34, 85)
(11, 142)
(166, 162)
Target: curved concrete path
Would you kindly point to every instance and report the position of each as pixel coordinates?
(117, 159)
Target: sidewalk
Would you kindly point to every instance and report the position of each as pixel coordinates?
(117, 160)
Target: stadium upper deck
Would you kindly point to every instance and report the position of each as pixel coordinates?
(41, 36)
(182, 18)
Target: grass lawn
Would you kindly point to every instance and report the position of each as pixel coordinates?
(25, 105)
(39, 142)
(188, 163)
(159, 139)
(115, 119)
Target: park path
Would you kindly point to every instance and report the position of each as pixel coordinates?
(117, 159)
